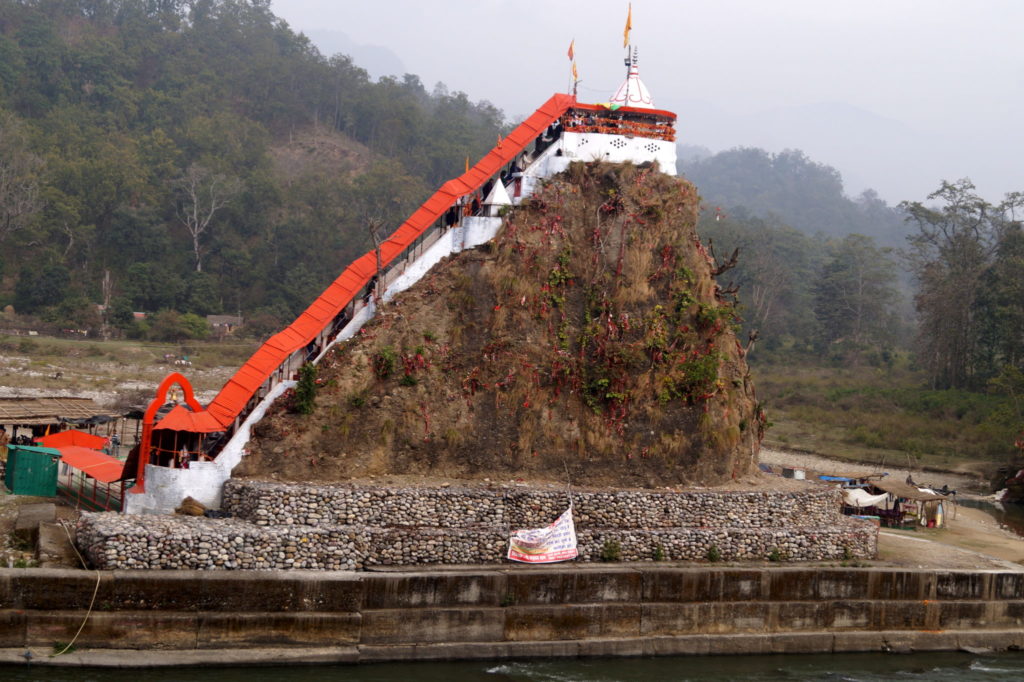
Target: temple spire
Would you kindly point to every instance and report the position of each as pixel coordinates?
(633, 92)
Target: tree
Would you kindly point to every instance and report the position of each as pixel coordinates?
(201, 295)
(950, 253)
(195, 326)
(19, 178)
(152, 286)
(40, 286)
(1000, 306)
(169, 325)
(855, 293)
(806, 195)
(120, 314)
(201, 193)
(775, 270)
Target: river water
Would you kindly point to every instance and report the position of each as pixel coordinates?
(1009, 515)
(935, 667)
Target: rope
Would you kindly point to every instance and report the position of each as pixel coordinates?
(92, 602)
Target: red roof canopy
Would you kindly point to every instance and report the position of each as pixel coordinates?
(232, 398)
(238, 390)
(181, 418)
(92, 462)
(72, 437)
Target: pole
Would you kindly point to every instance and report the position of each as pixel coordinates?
(374, 224)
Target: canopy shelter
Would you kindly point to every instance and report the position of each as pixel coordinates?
(860, 498)
(852, 476)
(183, 435)
(45, 411)
(908, 505)
(72, 437)
(907, 492)
(100, 466)
(94, 420)
(90, 479)
(180, 418)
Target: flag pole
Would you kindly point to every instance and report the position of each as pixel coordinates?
(571, 54)
(626, 43)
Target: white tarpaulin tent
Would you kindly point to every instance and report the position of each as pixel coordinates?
(857, 497)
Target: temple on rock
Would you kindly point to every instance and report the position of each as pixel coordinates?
(187, 449)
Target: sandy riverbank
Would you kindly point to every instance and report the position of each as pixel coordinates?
(971, 539)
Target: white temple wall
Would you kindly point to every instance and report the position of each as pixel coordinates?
(619, 149)
(479, 230)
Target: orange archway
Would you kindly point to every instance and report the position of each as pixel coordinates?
(149, 419)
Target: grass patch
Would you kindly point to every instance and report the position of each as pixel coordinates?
(884, 416)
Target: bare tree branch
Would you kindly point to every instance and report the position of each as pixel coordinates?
(19, 179)
(201, 193)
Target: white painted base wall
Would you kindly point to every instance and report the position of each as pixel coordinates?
(203, 481)
(619, 149)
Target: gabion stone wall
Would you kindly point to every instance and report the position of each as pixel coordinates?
(279, 526)
(275, 504)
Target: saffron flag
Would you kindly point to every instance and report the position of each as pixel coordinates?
(572, 52)
(629, 26)
(557, 542)
(575, 75)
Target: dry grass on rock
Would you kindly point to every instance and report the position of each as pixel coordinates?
(587, 340)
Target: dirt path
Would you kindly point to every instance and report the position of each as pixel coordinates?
(972, 539)
(961, 482)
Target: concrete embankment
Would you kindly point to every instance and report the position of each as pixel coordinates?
(231, 618)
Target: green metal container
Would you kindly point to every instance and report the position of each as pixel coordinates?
(32, 470)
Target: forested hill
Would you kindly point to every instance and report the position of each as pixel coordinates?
(201, 157)
(794, 189)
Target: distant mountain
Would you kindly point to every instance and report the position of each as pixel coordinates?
(791, 187)
(868, 149)
(376, 59)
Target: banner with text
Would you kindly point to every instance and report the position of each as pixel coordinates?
(557, 542)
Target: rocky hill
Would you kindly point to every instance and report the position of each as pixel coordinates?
(589, 341)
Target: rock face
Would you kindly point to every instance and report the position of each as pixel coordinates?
(588, 342)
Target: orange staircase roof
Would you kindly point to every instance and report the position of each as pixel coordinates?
(232, 398)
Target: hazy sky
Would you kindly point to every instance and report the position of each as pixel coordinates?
(897, 94)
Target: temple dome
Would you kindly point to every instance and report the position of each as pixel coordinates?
(633, 92)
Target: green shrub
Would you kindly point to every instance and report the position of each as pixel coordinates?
(63, 648)
(384, 362)
(305, 389)
(713, 554)
(611, 550)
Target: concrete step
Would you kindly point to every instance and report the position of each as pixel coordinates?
(26, 526)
